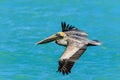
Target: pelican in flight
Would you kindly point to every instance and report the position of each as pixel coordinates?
(76, 42)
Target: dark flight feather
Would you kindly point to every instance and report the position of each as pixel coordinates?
(67, 27)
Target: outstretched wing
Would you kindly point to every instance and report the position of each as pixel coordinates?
(69, 29)
(71, 54)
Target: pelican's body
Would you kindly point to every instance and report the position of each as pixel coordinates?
(75, 41)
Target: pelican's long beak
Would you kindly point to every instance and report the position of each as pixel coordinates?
(49, 39)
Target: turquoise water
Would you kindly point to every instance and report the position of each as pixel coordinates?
(24, 22)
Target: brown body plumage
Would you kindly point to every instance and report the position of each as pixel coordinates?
(76, 42)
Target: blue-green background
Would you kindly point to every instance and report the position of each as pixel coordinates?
(24, 22)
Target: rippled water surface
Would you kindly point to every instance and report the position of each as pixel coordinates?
(24, 22)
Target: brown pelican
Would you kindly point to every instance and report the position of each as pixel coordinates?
(76, 42)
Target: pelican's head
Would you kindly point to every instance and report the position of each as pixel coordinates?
(54, 37)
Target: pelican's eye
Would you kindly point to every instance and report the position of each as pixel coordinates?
(58, 35)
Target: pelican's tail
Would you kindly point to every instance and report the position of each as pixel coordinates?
(94, 43)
